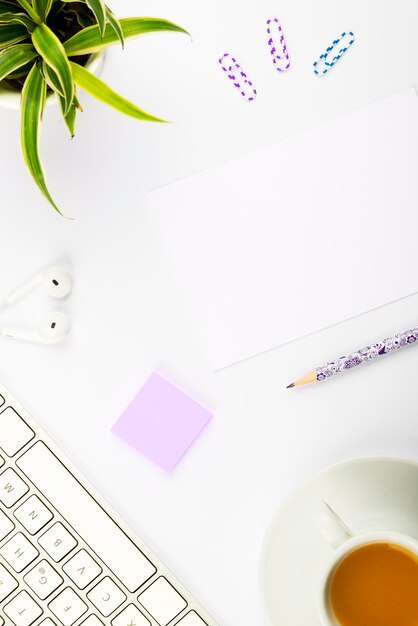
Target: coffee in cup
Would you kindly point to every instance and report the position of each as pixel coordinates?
(375, 585)
(370, 579)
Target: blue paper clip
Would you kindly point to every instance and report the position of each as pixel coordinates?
(326, 61)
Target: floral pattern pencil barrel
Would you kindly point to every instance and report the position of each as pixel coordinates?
(369, 353)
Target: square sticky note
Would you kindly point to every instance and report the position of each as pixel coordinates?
(162, 422)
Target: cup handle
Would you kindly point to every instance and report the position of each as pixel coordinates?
(333, 528)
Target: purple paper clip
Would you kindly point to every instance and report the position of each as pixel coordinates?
(239, 78)
(281, 59)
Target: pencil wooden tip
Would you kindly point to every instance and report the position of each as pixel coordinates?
(290, 386)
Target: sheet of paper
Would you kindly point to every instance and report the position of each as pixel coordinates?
(299, 235)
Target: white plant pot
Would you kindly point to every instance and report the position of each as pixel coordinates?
(10, 98)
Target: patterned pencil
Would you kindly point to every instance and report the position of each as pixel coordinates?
(364, 355)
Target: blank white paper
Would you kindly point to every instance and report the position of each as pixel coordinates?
(301, 234)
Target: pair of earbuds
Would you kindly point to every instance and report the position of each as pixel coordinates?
(56, 283)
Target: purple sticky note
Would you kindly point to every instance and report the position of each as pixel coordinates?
(162, 422)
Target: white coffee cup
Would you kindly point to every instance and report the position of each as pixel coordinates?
(344, 542)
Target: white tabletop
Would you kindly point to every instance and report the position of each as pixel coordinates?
(207, 520)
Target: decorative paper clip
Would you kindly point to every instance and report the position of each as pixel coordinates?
(281, 59)
(239, 78)
(326, 61)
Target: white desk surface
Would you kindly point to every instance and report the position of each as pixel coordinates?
(207, 520)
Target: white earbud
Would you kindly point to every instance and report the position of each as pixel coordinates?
(53, 329)
(56, 282)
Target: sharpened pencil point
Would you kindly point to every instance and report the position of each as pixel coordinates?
(290, 386)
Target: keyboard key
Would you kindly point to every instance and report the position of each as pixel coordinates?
(106, 596)
(162, 601)
(82, 569)
(33, 515)
(6, 525)
(22, 610)
(14, 432)
(2, 461)
(130, 615)
(68, 607)
(48, 622)
(191, 619)
(92, 620)
(43, 580)
(12, 488)
(19, 552)
(57, 541)
(7, 583)
(84, 514)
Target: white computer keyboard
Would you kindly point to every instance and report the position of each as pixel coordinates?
(65, 558)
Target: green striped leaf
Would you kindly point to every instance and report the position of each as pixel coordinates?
(11, 34)
(33, 101)
(89, 40)
(82, 19)
(69, 118)
(51, 50)
(99, 9)
(77, 103)
(116, 25)
(17, 18)
(42, 8)
(9, 7)
(11, 59)
(51, 79)
(30, 10)
(22, 71)
(98, 89)
(44, 96)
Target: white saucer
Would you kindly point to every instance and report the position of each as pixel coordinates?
(368, 494)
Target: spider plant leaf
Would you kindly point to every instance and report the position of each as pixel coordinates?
(51, 79)
(6, 6)
(53, 83)
(89, 40)
(30, 10)
(33, 101)
(17, 18)
(9, 35)
(69, 118)
(99, 9)
(77, 104)
(116, 25)
(44, 95)
(84, 20)
(57, 7)
(42, 7)
(51, 50)
(22, 71)
(98, 89)
(11, 59)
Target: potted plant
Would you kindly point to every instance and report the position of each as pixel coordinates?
(49, 48)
